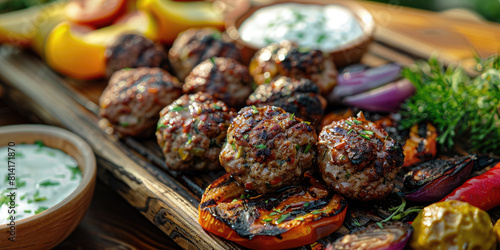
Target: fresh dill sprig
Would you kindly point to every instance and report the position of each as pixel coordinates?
(458, 105)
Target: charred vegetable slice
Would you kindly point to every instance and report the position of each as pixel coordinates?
(434, 179)
(292, 217)
(388, 235)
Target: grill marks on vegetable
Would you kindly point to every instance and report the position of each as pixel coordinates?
(251, 214)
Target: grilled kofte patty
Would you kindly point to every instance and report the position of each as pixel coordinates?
(192, 130)
(292, 217)
(358, 159)
(299, 97)
(133, 98)
(134, 51)
(224, 78)
(194, 46)
(287, 59)
(268, 148)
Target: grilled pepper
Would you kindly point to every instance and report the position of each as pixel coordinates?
(482, 191)
(82, 55)
(174, 17)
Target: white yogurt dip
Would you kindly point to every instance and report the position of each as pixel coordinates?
(41, 178)
(312, 26)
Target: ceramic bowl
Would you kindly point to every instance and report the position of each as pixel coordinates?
(343, 55)
(48, 228)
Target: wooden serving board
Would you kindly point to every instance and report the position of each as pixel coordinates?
(135, 169)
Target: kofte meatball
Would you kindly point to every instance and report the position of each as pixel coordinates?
(358, 159)
(192, 130)
(194, 46)
(288, 59)
(134, 51)
(268, 148)
(299, 97)
(224, 78)
(134, 97)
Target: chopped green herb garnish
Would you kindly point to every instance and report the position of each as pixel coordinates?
(321, 38)
(379, 224)
(27, 211)
(357, 121)
(38, 199)
(267, 219)
(368, 132)
(282, 218)
(347, 175)
(292, 117)
(235, 200)
(307, 148)
(74, 171)
(365, 136)
(49, 183)
(348, 122)
(40, 209)
(342, 157)
(299, 219)
(189, 138)
(245, 137)
(350, 130)
(297, 147)
(217, 106)
(244, 196)
(212, 59)
(273, 213)
(177, 108)
(306, 122)
(39, 144)
(233, 146)
(20, 183)
(23, 197)
(356, 222)
(261, 146)
(306, 204)
(19, 154)
(255, 110)
(124, 124)
(316, 212)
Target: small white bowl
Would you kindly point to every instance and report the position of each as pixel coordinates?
(50, 227)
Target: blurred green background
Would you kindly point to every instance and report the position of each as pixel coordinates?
(489, 9)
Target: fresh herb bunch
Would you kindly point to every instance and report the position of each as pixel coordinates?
(458, 105)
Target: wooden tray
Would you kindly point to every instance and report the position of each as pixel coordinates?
(135, 169)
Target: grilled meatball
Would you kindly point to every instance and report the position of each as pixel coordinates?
(194, 46)
(358, 159)
(192, 130)
(134, 51)
(299, 97)
(133, 98)
(287, 59)
(267, 148)
(224, 78)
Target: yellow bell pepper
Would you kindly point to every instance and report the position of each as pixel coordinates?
(175, 17)
(82, 55)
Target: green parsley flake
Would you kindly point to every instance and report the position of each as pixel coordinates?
(177, 108)
(307, 148)
(49, 183)
(299, 219)
(255, 110)
(357, 122)
(365, 136)
(41, 209)
(267, 219)
(282, 218)
(368, 132)
(348, 122)
(261, 146)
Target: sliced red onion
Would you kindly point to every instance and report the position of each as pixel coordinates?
(355, 81)
(387, 98)
(382, 235)
(434, 179)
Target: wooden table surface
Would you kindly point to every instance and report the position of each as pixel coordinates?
(112, 223)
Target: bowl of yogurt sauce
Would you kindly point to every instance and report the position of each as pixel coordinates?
(47, 179)
(343, 29)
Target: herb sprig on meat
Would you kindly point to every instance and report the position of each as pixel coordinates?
(458, 105)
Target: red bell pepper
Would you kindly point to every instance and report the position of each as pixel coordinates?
(482, 191)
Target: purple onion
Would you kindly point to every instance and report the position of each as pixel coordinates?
(432, 180)
(355, 81)
(387, 98)
(383, 235)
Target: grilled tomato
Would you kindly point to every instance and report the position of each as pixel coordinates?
(292, 217)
